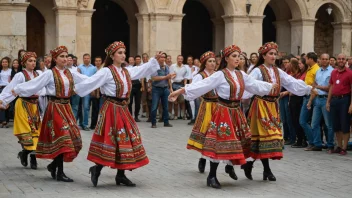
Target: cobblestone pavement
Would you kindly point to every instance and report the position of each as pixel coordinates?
(172, 172)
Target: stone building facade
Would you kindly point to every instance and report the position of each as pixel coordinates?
(87, 26)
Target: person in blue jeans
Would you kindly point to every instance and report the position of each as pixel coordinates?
(321, 84)
(89, 70)
(161, 87)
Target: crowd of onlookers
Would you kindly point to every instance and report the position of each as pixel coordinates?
(309, 128)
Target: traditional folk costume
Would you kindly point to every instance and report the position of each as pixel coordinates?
(205, 113)
(116, 141)
(60, 138)
(228, 136)
(26, 120)
(264, 119)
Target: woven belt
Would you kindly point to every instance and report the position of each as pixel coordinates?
(33, 100)
(210, 99)
(59, 100)
(269, 98)
(229, 103)
(118, 101)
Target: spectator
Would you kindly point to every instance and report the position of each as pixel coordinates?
(168, 61)
(253, 59)
(161, 88)
(332, 62)
(5, 78)
(47, 61)
(217, 61)
(189, 67)
(75, 99)
(131, 62)
(136, 93)
(15, 68)
(96, 96)
(339, 103)
(89, 70)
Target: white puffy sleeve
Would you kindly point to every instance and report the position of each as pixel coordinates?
(144, 70)
(197, 78)
(195, 90)
(254, 86)
(92, 83)
(35, 85)
(78, 77)
(6, 95)
(295, 86)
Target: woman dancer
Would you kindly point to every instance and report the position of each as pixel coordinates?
(116, 141)
(27, 121)
(60, 138)
(263, 116)
(228, 136)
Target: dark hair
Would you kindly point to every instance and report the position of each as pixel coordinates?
(108, 61)
(286, 58)
(202, 66)
(303, 54)
(179, 56)
(253, 53)
(223, 63)
(190, 57)
(19, 57)
(217, 56)
(295, 65)
(52, 63)
(71, 55)
(333, 58)
(303, 60)
(312, 55)
(86, 54)
(39, 59)
(8, 62)
(95, 58)
(246, 66)
(137, 56)
(17, 62)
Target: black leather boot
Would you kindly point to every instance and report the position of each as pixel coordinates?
(122, 179)
(23, 156)
(52, 169)
(231, 171)
(60, 170)
(269, 175)
(248, 169)
(33, 161)
(95, 173)
(201, 165)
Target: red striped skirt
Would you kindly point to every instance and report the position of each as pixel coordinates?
(228, 137)
(59, 132)
(116, 141)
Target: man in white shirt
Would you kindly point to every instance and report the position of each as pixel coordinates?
(178, 82)
(77, 112)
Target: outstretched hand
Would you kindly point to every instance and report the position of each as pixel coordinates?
(158, 55)
(174, 95)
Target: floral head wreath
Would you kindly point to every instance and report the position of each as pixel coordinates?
(25, 56)
(57, 51)
(267, 47)
(113, 47)
(206, 56)
(229, 50)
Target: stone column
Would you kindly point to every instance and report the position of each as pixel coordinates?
(244, 31)
(165, 33)
(13, 28)
(66, 27)
(283, 36)
(143, 33)
(342, 38)
(302, 35)
(219, 34)
(84, 33)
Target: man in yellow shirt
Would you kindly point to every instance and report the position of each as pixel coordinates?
(306, 115)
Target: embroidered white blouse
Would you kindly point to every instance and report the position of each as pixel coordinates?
(218, 82)
(7, 97)
(295, 86)
(46, 80)
(104, 80)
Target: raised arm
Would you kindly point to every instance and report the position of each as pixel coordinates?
(255, 86)
(94, 82)
(35, 85)
(297, 87)
(197, 89)
(6, 95)
(144, 70)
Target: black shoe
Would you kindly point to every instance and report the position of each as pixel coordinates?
(231, 171)
(167, 125)
(33, 161)
(63, 177)
(201, 165)
(86, 128)
(269, 175)
(137, 120)
(213, 182)
(23, 156)
(304, 144)
(297, 145)
(248, 169)
(289, 143)
(94, 175)
(124, 180)
(52, 171)
(317, 148)
(92, 127)
(191, 122)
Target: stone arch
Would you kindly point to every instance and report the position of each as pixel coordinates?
(215, 8)
(297, 8)
(45, 8)
(338, 10)
(143, 6)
